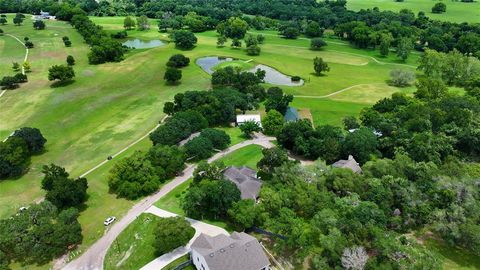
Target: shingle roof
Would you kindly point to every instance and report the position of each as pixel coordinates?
(350, 163)
(239, 251)
(245, 179)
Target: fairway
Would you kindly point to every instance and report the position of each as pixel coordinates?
(457, 11)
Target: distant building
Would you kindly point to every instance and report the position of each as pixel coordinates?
(242, 118)
(45, 16)
(239, 251)
(291, 115)
(350, 163)
(245, 179)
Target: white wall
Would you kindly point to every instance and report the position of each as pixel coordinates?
(198, 261)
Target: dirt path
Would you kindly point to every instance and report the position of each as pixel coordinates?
(93, 257)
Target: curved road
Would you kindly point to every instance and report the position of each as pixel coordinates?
(92, 258)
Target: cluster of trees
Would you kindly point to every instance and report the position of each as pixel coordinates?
(16, 151)
(142, 173)
(12, 82)
(173, 73)
(62, 191)
(218, 106)
(102, 47)
(210, 195)
(18, 19)
(203, 146)
(38, 234)
(141, 22)
(41, 232)
(326, 214)
(179, 126)
(61, 73)
(28, 43)
(66, 41)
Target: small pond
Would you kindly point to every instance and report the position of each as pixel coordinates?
(272, 76)
(143, 44)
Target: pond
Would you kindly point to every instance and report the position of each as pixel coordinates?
(143, 44)
(272, 76)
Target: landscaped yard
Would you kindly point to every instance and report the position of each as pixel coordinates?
(133, 247)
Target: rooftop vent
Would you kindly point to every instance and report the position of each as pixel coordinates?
(211, 254)
(222, 250)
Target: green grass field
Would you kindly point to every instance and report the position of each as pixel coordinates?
(456, 11)
(133, 248)
(111, 105)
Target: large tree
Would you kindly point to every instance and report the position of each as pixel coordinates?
(236, 28)
(272, 123)
(320, 66)
(14, 157)
(171, 233)
(39, 234)
(62, 191)
(272, 158)
(33, 137)
(184, 39)
(166, 160)
(361, 143)
(133, 177)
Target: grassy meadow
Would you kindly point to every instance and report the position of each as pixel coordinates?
(111, 105)
(457, 11)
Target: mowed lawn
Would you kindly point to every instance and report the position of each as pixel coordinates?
(457, 11)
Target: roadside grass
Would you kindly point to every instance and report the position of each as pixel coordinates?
(133, 248)
(457, 11)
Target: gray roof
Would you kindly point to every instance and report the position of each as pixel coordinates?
(350, 163)
(239, 251)
(245, 179)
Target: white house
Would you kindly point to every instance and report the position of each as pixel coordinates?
(242, 118)
(238, 251)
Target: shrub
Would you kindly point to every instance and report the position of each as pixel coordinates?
(178, 61)
(296, 78)
(253, 50)
(439, 8)
(401, 78)
(317, 43)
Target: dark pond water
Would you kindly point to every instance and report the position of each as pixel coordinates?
(272, 76)
(143, 44)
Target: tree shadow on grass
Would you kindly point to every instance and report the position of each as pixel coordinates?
(57, 84)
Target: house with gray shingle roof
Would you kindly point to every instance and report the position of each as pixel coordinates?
(238, 251)
(245, 179)
(350, 163)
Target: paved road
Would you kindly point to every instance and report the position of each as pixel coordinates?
(200, 227)
(92, 258)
